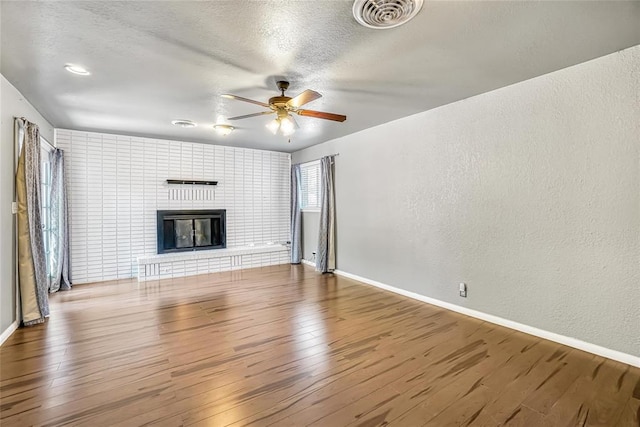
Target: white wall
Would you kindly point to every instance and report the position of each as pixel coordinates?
(117, 183)
(530, 194)
(310, 230)
(12, 104)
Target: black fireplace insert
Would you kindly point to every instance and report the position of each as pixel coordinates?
(191, 230)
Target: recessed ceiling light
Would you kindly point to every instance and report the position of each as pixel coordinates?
(77, 69)
(184, 123)
(223, 130)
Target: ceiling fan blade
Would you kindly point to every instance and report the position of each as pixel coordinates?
(305, 97)
(239, 98)
(295, 123)
(322, 115)
(246, 116)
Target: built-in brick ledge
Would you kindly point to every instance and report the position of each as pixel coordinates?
(166, 266)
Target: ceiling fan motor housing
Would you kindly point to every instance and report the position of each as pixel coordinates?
(279, 101)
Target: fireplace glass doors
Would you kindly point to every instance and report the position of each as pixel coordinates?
(191, 230)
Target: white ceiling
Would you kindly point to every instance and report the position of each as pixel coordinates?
(154, 61)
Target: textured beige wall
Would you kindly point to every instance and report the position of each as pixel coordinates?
(530, 194)
(12, 104)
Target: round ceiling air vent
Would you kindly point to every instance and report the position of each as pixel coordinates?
(383, 14)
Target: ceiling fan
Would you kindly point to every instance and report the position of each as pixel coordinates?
(283, 106)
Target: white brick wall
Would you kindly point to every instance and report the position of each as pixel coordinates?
(117, 183)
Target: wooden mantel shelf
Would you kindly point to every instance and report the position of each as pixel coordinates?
(191, 182)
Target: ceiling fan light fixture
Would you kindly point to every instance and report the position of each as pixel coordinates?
(273, 126)
(223, 130)
(287, 126)
(385, 14)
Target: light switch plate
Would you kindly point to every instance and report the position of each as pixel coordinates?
(14, 207)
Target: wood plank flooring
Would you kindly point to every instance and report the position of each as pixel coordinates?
(285, 346)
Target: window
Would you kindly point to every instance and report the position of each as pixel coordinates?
(48, 230)
(310, 186)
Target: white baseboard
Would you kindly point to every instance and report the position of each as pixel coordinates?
(309, 263)
(551, 336)
(7, 332)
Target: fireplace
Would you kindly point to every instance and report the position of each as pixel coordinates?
(191, 230)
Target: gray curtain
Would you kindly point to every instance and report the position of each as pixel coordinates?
(32, 270)
(296, 217)
(326, 255)
(59, 224)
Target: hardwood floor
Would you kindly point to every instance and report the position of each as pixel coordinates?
(285, 346)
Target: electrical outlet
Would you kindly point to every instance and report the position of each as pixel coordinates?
(463, 290)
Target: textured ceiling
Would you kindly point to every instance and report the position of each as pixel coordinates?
(152, 62)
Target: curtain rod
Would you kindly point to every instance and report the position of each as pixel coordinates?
(315, 160)
(48, 143)
(41, 137)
